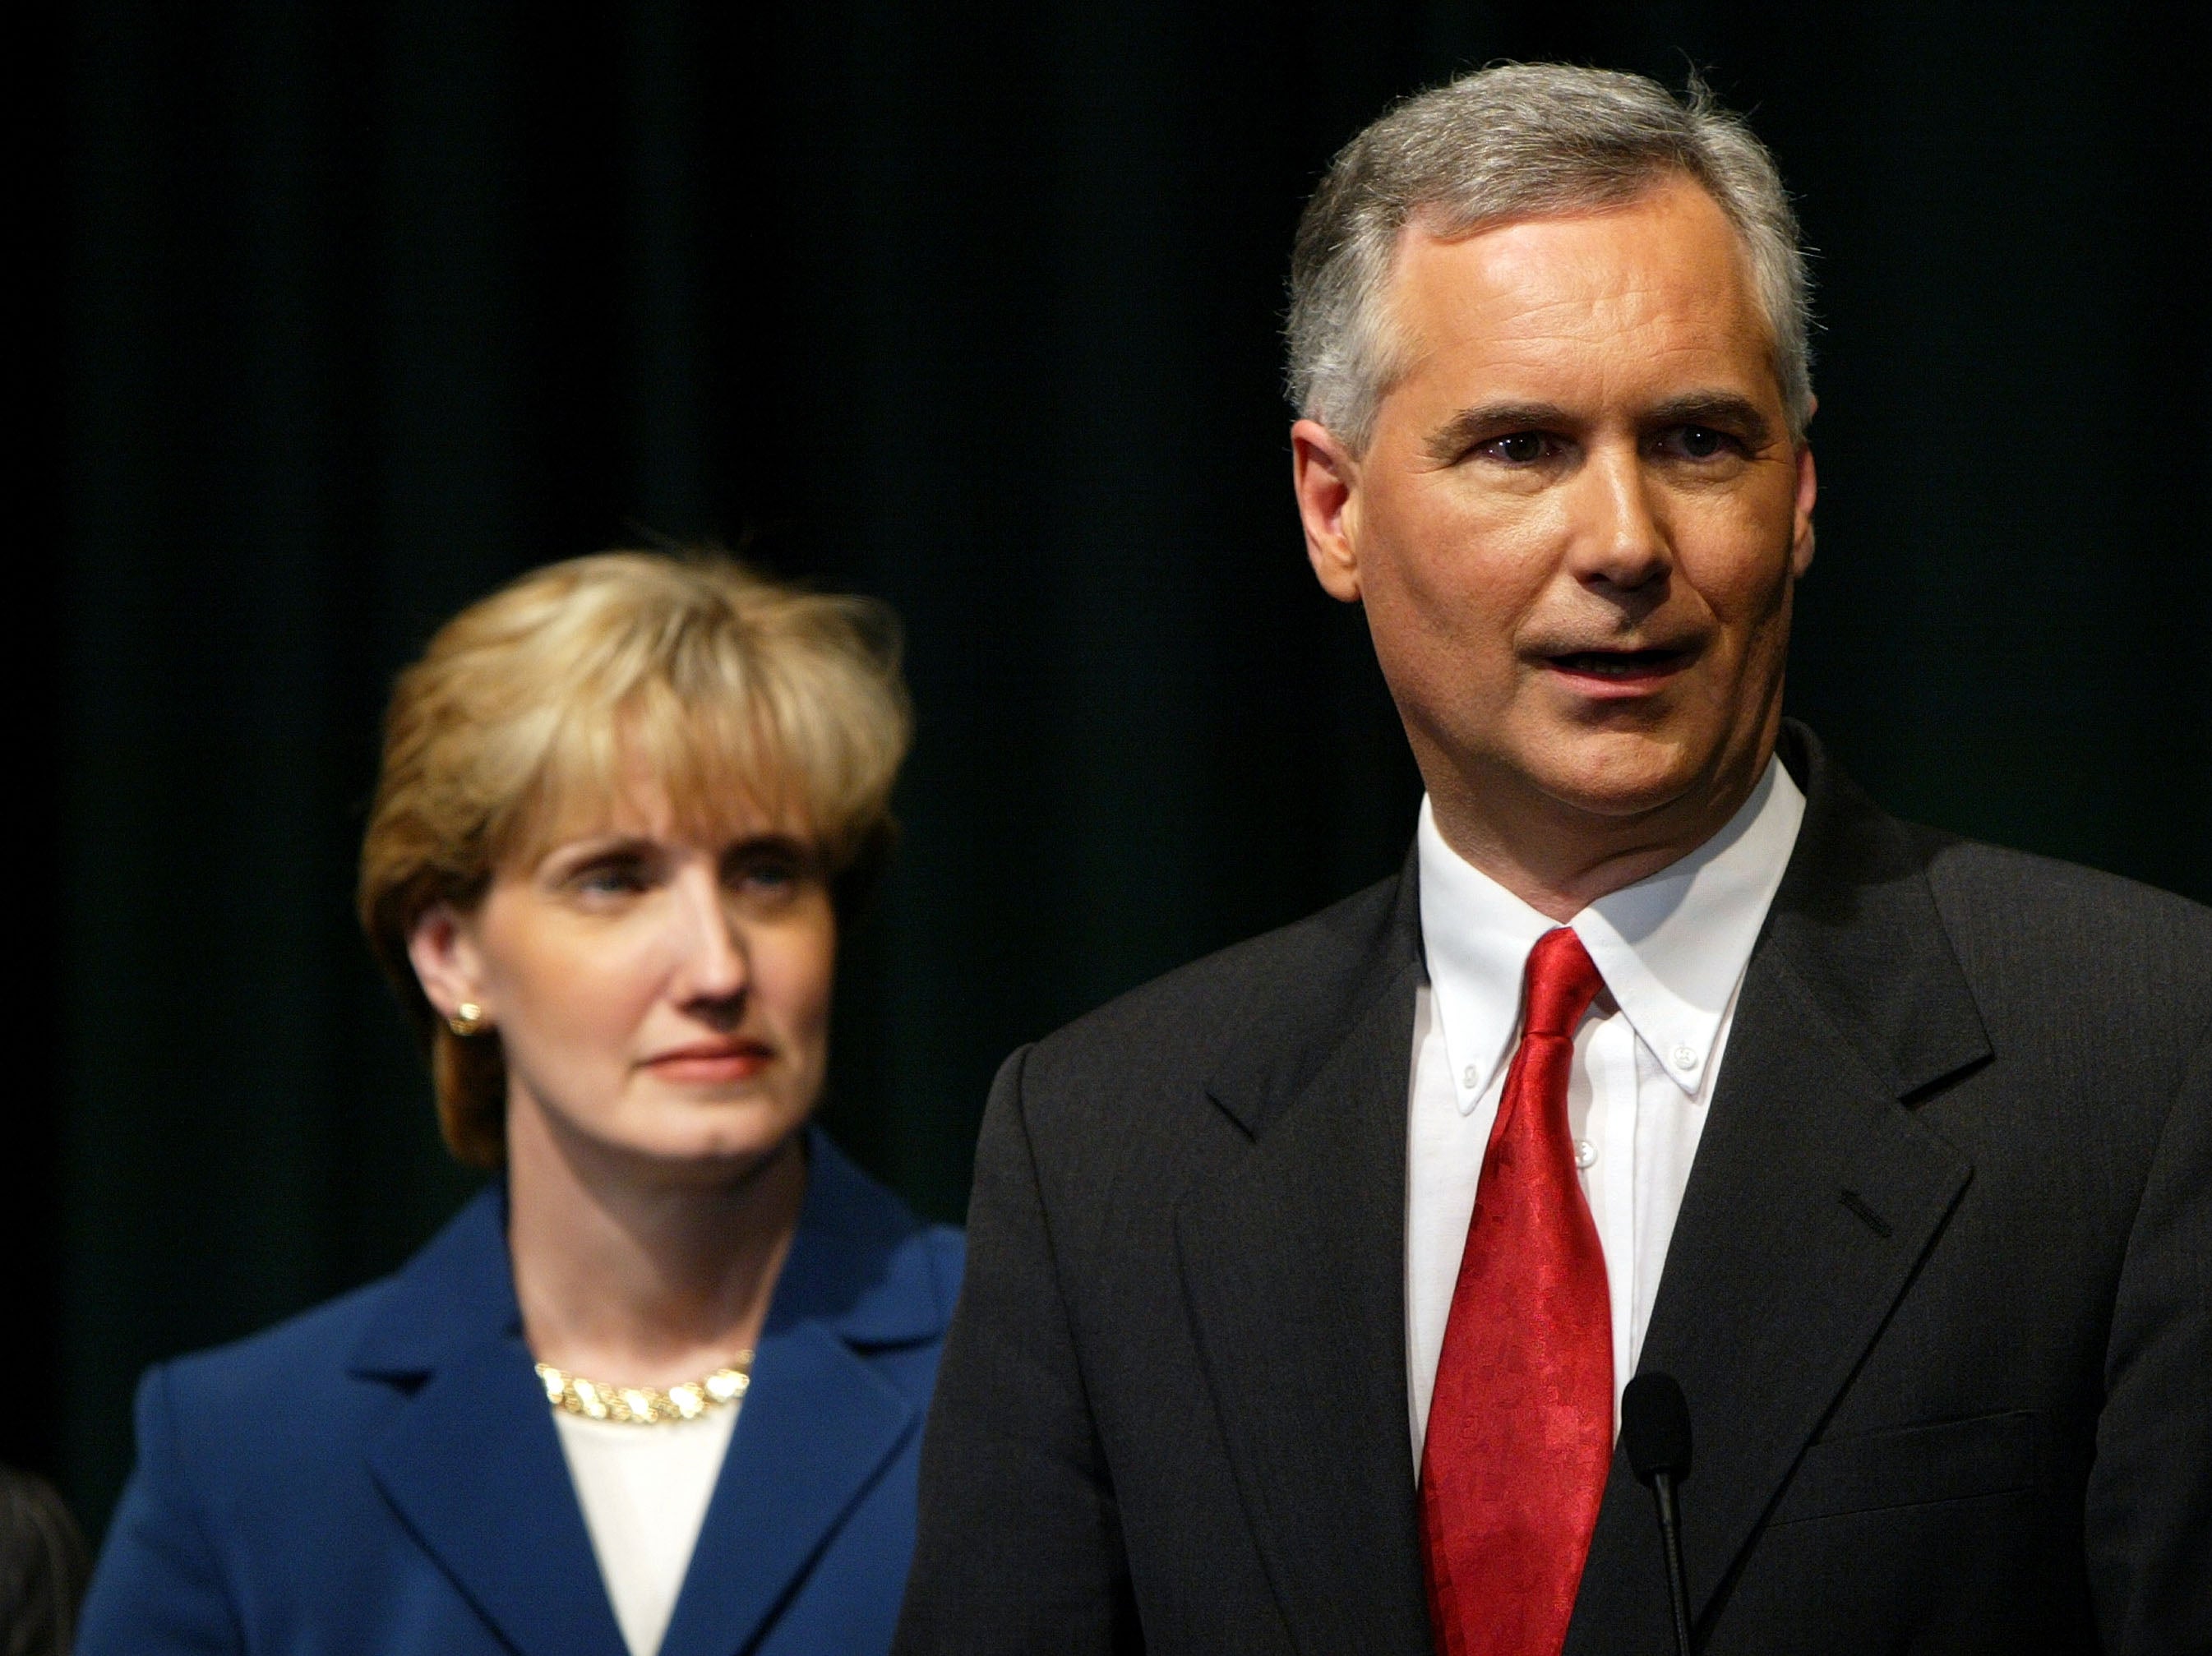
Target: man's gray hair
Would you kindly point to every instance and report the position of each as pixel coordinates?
(1517, 141)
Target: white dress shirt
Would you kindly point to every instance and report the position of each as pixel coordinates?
(644, 1490)
(1671, 950)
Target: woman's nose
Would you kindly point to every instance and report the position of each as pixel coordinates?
(713, 966)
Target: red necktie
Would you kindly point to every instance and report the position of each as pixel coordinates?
(1520, 1433)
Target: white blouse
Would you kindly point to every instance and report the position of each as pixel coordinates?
(644, 1490)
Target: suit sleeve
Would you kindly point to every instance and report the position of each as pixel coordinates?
(158, 1590)
(1018, 1547)
(2149, 1511)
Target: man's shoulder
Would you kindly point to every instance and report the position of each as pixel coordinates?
(1120, 1109)
(1996, 899)
(1288, 969)
(2031, 930)
(1277, 983)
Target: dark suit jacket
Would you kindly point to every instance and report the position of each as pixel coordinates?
(1939, 1294)
(382, 1475)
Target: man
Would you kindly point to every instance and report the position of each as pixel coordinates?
(1304, 1285)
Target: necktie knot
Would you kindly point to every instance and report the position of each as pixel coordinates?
(1563, 980)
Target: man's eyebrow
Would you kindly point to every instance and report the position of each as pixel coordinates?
(1725, 409)
(1485, 421)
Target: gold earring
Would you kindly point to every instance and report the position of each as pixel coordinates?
(468, 1019)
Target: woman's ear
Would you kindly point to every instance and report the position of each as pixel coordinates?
(448, 963)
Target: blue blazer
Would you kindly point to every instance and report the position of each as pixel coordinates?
(382, 1475)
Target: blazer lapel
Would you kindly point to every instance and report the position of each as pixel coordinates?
(817, 1428)
(1815, 1194)
(819, 1425)
(1293, 1272)
(471, 1462)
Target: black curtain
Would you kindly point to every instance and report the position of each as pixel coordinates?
(345, 314)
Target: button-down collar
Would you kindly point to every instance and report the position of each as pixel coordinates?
(1670, 948)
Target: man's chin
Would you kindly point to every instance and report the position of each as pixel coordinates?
(1622, 775)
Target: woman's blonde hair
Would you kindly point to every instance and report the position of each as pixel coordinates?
(534, 709)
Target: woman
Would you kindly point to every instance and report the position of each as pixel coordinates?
(660, 1386)
(42, 1567)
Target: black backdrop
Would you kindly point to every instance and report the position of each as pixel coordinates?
(352, 312)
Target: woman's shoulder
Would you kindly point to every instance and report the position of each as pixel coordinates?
(287, 1362)
(286, 1354)
(887, 1264)
(947, 1246)
(243, 1439)
(309, 1368)
(255, 1499)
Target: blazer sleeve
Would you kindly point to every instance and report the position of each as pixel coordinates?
(2150, 1509)
(158, 1588)
(1018, 1547)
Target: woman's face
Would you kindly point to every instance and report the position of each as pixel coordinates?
(659, 994)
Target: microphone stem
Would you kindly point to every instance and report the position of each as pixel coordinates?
(1670, 1534)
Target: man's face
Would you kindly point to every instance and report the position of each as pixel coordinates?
(1577, 525)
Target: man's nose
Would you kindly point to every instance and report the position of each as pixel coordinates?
(1622, 540)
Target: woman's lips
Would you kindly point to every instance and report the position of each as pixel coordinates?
(1618, 675)
(721, 1063)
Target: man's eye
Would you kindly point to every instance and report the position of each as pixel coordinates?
(1519, 448)
(1700, 442)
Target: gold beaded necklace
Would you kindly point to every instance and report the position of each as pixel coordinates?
(647, 1405)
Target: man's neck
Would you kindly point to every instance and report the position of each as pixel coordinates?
(1560, 858)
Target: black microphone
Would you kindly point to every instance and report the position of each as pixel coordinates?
(1655, 1429)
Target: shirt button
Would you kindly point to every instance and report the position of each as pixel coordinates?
(1686, 1058)
(1585, 1152)
(1467, 1077)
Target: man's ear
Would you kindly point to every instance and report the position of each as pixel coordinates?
(1325, 477)
(447, 961)
(1809, 490)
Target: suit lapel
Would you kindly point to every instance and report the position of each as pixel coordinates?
(474, 1468)
(1293, 1273)
(470, 1461)
(1815, 1194)
(818, 1428)
(819, 1425)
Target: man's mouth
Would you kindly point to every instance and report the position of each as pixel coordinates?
(1626, 666)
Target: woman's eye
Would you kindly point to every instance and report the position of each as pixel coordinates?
(610, 879)
(768, 876)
